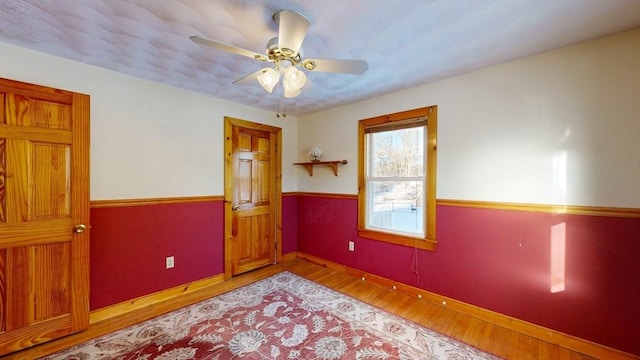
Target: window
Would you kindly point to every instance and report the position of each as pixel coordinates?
(397, 177)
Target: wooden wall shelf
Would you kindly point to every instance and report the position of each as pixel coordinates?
(333, 164)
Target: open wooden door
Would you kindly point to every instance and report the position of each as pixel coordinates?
(44, 214)
(252, 196)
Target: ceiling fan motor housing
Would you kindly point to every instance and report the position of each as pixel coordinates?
(275, 54)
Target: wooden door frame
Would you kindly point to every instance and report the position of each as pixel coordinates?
(276, 132)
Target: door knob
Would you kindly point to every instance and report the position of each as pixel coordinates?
(235, 207)
(79, 228)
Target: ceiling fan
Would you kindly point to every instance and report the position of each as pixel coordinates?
(285, 53)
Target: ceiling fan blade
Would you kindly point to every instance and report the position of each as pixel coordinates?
(226, 47)
(356, 67)
(292, 29)
(251, 79)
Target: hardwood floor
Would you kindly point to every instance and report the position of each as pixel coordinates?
(494, 339)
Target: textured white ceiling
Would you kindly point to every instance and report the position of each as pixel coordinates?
(406, 42)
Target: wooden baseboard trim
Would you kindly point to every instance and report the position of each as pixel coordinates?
(552, 336)
(290, 256)
(153, 299)
(174, 295)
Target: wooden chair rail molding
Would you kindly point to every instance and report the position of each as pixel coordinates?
(545, 208)
(548, 208)
(154, 201)
(326, 195)
(555, 337)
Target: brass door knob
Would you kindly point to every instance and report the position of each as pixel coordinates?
(235, 207)
(79, 228)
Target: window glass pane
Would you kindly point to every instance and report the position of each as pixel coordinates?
(397, 206)
(398, 153)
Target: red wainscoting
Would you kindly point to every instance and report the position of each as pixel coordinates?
(289, 224)
(501, 260)
(129, 245)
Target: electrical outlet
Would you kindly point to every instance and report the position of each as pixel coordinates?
(352, 246)
(169, 262)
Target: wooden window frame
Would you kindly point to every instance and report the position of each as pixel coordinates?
(428, 242)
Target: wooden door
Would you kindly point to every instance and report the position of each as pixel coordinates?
(44, 198)
(252, 196)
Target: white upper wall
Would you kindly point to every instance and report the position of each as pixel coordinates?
(561, 127)
(147, 140)
(557, 128)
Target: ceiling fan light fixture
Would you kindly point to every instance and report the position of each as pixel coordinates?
(290, 93)
(294, 78)
(268, 79)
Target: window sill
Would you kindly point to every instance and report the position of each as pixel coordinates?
(419, 243)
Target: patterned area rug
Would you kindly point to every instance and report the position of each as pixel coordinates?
(281, 317)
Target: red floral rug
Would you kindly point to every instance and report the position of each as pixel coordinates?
(281, 317)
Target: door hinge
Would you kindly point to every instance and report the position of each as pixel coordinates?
(275, 253)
